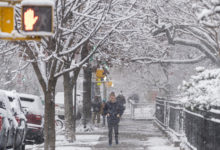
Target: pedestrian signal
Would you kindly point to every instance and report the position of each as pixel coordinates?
(37, 20)
(29, 19)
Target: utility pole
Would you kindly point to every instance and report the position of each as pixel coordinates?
(104, 100)
(75, 96)
(104, 91)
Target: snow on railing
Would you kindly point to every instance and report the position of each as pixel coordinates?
(196, 128)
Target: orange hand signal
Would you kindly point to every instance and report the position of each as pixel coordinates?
(29, 19)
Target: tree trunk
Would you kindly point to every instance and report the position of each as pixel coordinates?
(68, 105)
(49, 128)
(68, 83)
(104, 92)
(87, 74)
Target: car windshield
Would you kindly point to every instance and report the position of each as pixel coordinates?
(33, 104)
(2, 105)
(4, 102)
(27, 99)
(26, 102)
(14, 102)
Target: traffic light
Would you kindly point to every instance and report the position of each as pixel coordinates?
(37, 20)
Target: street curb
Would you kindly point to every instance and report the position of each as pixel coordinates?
(172, 137)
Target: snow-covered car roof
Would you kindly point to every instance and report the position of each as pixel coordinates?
(14, 101)
(7, 109)
(32, 102)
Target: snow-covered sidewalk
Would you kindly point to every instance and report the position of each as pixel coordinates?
(133, 134)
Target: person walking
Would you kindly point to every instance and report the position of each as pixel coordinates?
(96, 108)
(102, 112)
(121, 99)
(113, 110)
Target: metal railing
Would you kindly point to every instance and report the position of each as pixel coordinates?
(201, 128)
(169, 114)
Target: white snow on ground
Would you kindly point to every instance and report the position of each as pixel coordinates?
(88, 140)
(75, 148)
(134, 135)
(85, 141)
(158, 143)
(162, 148)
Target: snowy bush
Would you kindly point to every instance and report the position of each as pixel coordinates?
(202, 90)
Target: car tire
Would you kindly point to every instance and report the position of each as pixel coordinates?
(23, 147)
(6, 141)
(22, 144)
(39, 140)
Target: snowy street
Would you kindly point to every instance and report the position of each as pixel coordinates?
(133, 134)
(149, 68)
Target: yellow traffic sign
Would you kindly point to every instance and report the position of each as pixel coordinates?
(99, 82)
(109, 83)
(6, 19)
(100, 73)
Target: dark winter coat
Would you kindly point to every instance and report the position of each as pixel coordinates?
(102, 108)
(121, 99)
(113, 109)
(96, 106)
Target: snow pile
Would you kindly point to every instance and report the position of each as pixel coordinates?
(89, 128)
(202, 90)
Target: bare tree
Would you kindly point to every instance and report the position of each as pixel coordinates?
(76, 22)
(49, 57)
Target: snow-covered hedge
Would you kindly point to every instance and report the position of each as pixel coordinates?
(202, 90)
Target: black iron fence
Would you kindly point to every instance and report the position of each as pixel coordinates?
(200, 128)
(169, 114)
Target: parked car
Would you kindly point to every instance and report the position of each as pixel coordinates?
(7, 123)
(35, 117)
(59, 105)
(18, 113)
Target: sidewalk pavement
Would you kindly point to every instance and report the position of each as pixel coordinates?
(133, 135)
(136, 135)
